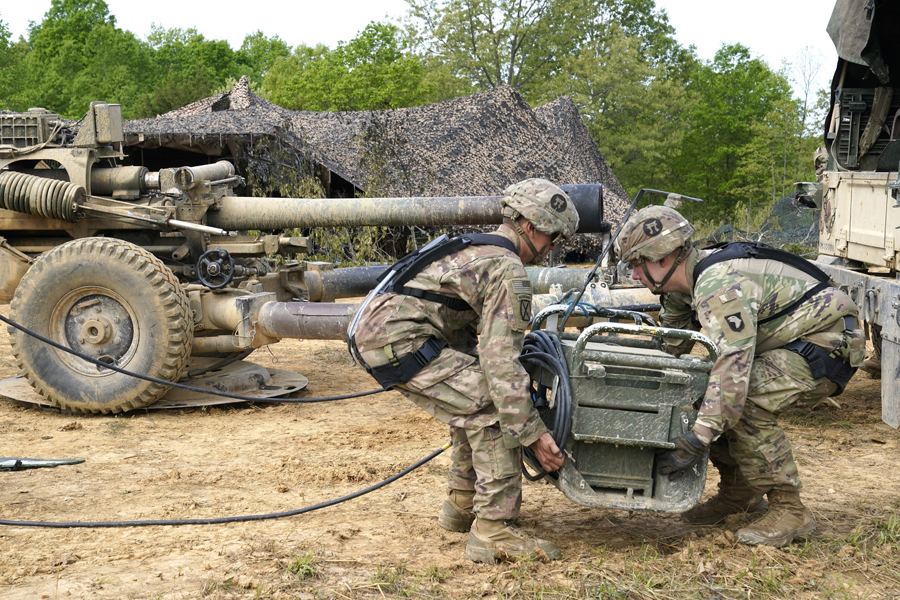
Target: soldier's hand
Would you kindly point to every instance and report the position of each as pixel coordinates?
(687, 452)
(548, 453)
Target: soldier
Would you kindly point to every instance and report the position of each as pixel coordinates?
(784, 334)
(462, 313)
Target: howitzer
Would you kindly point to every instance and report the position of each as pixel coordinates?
(142, 269)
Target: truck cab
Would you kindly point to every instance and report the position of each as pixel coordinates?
(859, 219)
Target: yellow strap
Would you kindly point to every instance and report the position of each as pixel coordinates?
(389, 353)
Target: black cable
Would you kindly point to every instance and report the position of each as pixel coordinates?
(228, 360)
(221, 520)
(175, 384)
(542, 352)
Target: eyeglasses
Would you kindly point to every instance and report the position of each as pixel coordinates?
(626, 269)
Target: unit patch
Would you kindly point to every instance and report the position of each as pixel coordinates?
(652, 227)
(733, 317)
(735, 321)
(520, 294)
(558, 203)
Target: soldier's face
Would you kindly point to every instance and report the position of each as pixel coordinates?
(654, 270)
(543, 243)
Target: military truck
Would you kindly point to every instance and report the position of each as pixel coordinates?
(142, 270)
(859, 190)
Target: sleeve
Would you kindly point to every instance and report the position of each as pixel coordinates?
(727, 308)
(505, 313)
(678, 313)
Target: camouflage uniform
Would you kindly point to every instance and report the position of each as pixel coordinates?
(476, 385)
(754, 378)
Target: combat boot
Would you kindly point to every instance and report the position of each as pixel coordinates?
(786, 521)
(456, 514)
(493, 540)
(872, 366)
(735, 496)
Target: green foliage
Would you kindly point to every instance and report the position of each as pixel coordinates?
(369, 72)
(495, 42)
(528, 45)
(727, 97)
(185, 67)
(632, 111)
(305, 566)
(76, 55)
(258, 53)
(7, 62)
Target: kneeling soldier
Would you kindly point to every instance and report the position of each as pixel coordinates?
(447, 331)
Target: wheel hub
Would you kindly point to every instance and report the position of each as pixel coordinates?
(99, 326)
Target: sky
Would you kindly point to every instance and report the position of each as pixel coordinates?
(774, 30)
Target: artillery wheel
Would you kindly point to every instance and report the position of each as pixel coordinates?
(110, 300)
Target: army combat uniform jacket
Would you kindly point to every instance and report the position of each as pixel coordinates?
(729, 300)
(484, 342)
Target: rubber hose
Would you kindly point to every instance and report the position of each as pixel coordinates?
(542, 353)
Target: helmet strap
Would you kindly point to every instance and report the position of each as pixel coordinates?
(657, 287)
(524, 236)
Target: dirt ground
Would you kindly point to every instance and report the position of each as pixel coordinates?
(254, 459)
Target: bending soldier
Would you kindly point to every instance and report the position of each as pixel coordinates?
(784, 334)
(448, 334)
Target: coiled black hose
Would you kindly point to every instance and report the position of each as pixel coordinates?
(542, 356)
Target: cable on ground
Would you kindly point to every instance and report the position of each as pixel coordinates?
(175, 384)
(221, 520)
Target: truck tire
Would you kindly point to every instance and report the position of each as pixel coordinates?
(110, 300)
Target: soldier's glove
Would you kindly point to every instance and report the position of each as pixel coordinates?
(687, 452)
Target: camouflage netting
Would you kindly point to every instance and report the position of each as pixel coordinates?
(788, 225)
(476, 145)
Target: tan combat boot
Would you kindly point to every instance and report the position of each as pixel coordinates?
(493, 540)
(735, 496)
(456, 514)
(872, 366)
(786, 521)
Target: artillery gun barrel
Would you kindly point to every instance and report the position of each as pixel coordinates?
(270, 214)
(352, 282)
(329, 321)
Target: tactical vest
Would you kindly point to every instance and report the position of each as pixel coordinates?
(735, 250)
(822, 363)
(403, 368)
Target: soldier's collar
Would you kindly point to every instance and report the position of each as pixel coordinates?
(690, 262)
(510, 234)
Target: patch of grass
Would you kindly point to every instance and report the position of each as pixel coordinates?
(876, 532)
(437, 574)
(394, 580)
(338, 357)
(116, 426)
(211, 586)
(305, 566)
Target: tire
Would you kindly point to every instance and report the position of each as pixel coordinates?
(113, 301)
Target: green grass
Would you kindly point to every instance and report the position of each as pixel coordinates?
(305, 566)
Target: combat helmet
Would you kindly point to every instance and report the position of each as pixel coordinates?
(544, 204)
(652, 234)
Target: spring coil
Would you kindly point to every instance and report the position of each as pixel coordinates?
(40, 196)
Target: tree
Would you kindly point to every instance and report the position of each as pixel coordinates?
(371, 71)
(528, 43)
(8, 63)
(727, 96)
(634, 113)
(78, 55)
(185, 67)
(498, 42)
(258, 53)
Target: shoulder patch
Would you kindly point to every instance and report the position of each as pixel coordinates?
(520, 294)
(732, 316)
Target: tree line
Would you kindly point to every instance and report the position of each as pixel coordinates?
(730, 130)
